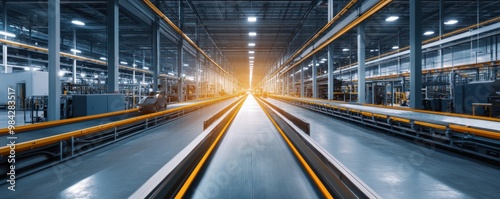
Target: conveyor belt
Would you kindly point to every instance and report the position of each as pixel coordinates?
(117, 170)
(419, 116)
(254, 161)
(45, 132)
(397, 168)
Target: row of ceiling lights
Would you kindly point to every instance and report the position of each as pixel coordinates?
(251, 52)
(393, 18)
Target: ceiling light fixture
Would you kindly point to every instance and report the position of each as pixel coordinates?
(251, 57)
(251, 44)
(450, 22)
(395, 47)
(251, 52)
(392, 18)
(103, 58)
(8, 34)
(429, 32)
(252, 19)
(252, 34)
(345, 49)
(76, 22)
(124, 63)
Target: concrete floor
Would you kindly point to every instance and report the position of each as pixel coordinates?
(400, 168)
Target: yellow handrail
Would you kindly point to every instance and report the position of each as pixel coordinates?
(90, 130)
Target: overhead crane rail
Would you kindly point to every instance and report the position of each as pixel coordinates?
(176, 178)
(481, 142)
(40, 153)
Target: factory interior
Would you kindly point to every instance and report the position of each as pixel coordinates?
(250, 99)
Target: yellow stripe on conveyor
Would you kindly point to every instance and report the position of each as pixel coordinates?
(308, 168)
(474, 131)
(205, 157)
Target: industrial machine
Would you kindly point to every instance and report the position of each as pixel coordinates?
(477, 92)
(154, 102)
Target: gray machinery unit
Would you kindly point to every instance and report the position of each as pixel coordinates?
(84, 105)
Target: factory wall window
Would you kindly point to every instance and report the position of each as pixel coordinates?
(430, 60)
(390, 67)
(447, 57)
(405, 64)
(462, 54)
(482, 49)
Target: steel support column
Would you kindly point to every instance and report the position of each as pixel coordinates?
(331, 78)
(294, 89)
(54, 106)
(302, 90)
(288, 83)
(155, 52)
(283, 85)
(113, 46)
(7, 69)
(180, 56)
(314, 75)
(74, 53)
(361, 64)
(415, 54)
(441, 32)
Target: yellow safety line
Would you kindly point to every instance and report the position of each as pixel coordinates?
(309, 170)
(200, 164)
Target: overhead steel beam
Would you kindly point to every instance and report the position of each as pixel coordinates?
(54, 17)
(368, 9)
(315, 36)
(185, 37)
